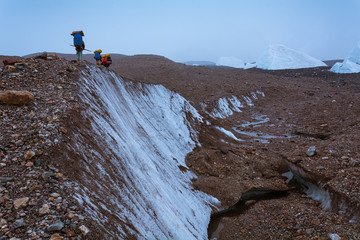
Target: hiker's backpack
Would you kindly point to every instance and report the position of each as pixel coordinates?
(78, 39)
(105, 58)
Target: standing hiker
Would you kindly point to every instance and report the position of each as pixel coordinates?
(97, 56)
(78, 43)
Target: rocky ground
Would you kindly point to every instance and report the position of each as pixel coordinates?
(305, 108)
(33, 200)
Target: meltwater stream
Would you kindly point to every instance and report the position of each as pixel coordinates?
(131, 183)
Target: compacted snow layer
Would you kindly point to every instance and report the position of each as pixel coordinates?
(134, 177)
(281, 57)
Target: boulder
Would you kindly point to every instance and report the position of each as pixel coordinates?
(12, 97)
(9, 62)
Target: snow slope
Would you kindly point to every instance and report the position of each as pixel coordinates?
(131, 179)
(281, 57)
(234, 62)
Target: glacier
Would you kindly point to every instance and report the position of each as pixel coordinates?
(346, 66)
(351, 63)
(278, 57)
(132, 181)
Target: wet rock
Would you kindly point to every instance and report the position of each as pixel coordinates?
(21, 202)
(311, 151)
(55, 227)
(12, 97)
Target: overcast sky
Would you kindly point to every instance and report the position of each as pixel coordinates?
(182, 30)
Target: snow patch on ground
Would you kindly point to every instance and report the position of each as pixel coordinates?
(313, 191)
(281, 57)
(228, 133)
(227, 106)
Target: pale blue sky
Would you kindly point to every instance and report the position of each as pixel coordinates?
(182, 30)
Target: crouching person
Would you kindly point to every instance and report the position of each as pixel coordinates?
(106, 60)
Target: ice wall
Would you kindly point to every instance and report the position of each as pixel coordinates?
(132, 184)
